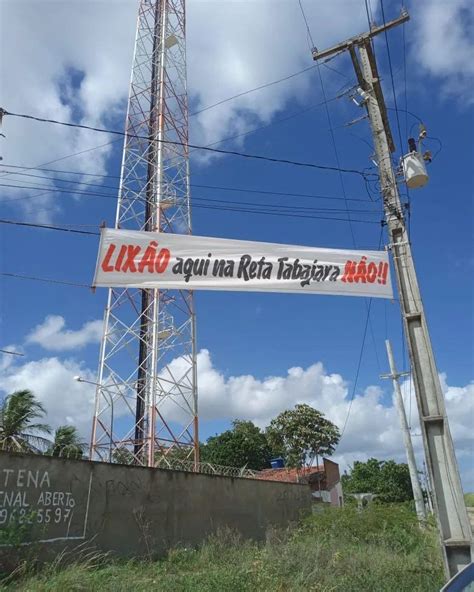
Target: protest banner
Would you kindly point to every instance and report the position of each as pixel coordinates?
(138, 259)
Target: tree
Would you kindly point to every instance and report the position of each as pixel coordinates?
(244, 445)
(67, 443)
(303, 434)
(388, 479)
(18, 430)
(123, 456)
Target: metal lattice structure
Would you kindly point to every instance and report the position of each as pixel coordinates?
(146, 398)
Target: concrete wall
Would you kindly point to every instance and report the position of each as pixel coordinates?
(132, 510)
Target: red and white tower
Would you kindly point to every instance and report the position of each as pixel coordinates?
(146, 399)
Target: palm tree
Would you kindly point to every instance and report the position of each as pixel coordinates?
(67, 443)
(18, 432)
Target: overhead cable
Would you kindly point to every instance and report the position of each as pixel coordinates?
(240, 135)
(218, 187)
(48, 227)
(270, 209)
(266, 85)
(41, 279)
(193, 146)
(392, 79)
(12, 353)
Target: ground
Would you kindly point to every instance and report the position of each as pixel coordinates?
(339, 550)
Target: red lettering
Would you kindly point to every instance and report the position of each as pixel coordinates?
(361, 270)
(129, 264)
(121, 255)
(371, 272)
(382, 273)
(148, 258)
(108, 256)
(162, 260)
(349, 271)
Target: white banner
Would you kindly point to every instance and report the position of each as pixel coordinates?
(176, 261)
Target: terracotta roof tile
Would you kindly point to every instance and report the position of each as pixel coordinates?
(288, 475)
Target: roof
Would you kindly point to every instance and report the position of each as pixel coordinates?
(287, 475)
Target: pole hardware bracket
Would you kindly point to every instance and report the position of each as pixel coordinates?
(433, 419)
(413, 316)
(399, 244)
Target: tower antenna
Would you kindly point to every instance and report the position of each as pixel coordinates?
(146, 396)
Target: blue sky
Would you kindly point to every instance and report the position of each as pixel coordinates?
(249, 337)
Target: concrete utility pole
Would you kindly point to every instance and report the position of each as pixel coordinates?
(414, 477)
(451, 513)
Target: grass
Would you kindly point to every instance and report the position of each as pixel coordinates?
(381, 549)
(469, 500)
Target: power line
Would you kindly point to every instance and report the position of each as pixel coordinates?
(69, 155)
(369, 14)
(218, 187)
(266, 85)
(414, 115)
(246, 92)
(226, 205)
(12, 353)
(248, 132)
(308, 214)
(308, 30)
(228, 138)
(48, 227)
(67, 191)
(284, 215)
(274, 206)
(341, 180)
(368, 323)
(405, 78)
(368, 10)
(359, 363)
(392, 79)
(278, 120)
(331, 129)
(193, 146)
(41, 279)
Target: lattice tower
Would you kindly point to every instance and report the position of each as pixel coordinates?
(146, 397)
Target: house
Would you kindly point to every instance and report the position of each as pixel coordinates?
(324, 480)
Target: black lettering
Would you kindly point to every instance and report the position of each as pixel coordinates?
(177, 268)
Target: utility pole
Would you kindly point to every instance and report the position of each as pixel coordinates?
(414, 478)
(450, 510)
(429, 489)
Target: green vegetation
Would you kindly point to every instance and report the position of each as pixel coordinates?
(67, 443)
(303, 434)
(244, 445)
(17, 530)
(388, 479)
(338, 550)
(469, 500)
(18, 430)
(300, 435)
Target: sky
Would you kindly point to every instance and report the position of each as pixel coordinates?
(258, 353)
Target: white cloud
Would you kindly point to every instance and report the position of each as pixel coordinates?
(74, 59)
(372, 430)
(73, 64)
(444, 44)
(7, 359)
(61, 42)
(237, 46)
(52, 336)
(52, 381)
